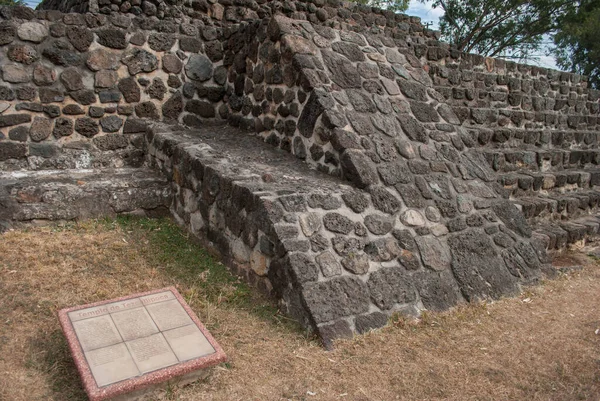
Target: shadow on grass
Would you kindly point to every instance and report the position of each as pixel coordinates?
(51, 356)
(190, 266)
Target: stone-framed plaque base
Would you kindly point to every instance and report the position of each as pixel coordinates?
(126, 348)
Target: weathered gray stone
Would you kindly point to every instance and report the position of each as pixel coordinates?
(356, 263)
(389, 286)
(24, 54)
(384, 200)
(105, 79)
(411, 196)
(157, 90)
(338, 223)
(329, 265)
(146, 110)
(19, 134)
(438, 290)
(8, 120)
(201, 108)
(62, 127)
(111, 142)
(130, 90)
(317, 103)
(338, 297)
(139, 60)
(326, 202)
(361, 101)
(199, 68)
(432, 214)
(51, 95)
(71, 79)
(479, 270)
(358, 168)
(378, 224)
(528, 254)
(112, 37)
(512, 217)
(350, 50)
(80, 38)
(111, 124)
(162, 42)
(171, 64)
(356, 201)
(43, 75)
(434, 253)
(102, 59)
(173, 107)
(383, 250)
(303, 268)
(346, 245)
(15, 73)
(424, 112)
(45, 150)
(413, 90)
(310, 223)
(342, 71)
(413, 129)
(412, 218)
(12, 150)
(394, 173)
(135, 126)
(87, 127)
(61, 53)
(40, 129)
(7, 33)
(365, 323)
(329, 332)
(73, 110)
(361, 122)
(32, 32)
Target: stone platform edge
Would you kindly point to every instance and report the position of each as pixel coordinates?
(163, 375)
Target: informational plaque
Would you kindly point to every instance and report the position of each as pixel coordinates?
(125, 345)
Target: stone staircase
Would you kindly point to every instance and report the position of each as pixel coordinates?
(552, 177)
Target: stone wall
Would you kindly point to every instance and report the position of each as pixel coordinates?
(364, 108)
(431, 171)
(76, 89)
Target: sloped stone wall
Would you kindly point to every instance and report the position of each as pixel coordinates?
(429, 214)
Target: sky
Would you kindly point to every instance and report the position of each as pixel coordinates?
(431, 16)
(428, 14)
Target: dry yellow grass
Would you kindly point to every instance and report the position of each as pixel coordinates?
(542, 345)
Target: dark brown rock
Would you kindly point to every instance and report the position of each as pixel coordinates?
(130, 89)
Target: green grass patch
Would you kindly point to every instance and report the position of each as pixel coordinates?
(173, 251)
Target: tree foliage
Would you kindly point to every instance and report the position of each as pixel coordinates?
(393, 5)
(12, 2)
(507, 28)
(578, 41)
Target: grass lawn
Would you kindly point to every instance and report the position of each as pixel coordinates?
(543, 345)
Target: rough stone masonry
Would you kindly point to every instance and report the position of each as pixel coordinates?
(339, 157)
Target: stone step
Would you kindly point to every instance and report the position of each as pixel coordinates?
(529, 183)
(504, 137)
(63, 195)
(560, 235)
(542, 160)
(557, 206)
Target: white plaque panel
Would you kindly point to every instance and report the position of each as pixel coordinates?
(111, 364)
(151, 353)
(188, 342)
(97, 332)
